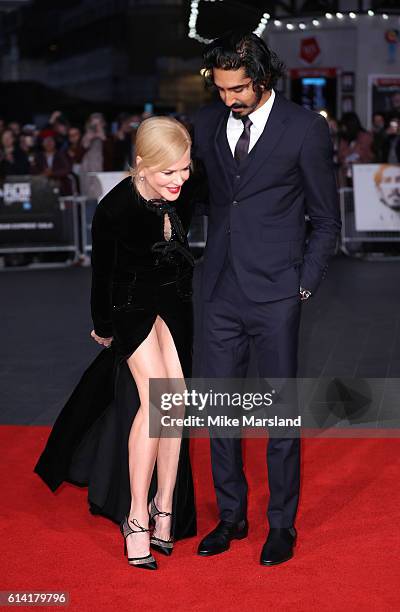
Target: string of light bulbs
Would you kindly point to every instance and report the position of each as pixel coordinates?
(288, 23)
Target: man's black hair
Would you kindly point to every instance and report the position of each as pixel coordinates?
(236, 50)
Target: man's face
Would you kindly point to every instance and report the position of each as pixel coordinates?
(390, 187)
(27, 141)
(74, 136)
(236, 91)
(378, 122)
(49, 144)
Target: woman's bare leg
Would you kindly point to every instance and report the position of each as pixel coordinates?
(168, 449)
(146, 362)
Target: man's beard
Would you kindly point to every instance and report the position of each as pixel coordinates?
(248, 109)
(392, 199)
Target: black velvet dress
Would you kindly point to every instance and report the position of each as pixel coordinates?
(136, 275)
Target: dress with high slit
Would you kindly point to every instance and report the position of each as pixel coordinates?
(139, 272)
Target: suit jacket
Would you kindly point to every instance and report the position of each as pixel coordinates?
(259, 207)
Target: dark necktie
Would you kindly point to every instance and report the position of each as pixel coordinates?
(242, 146)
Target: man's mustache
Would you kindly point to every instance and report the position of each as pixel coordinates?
(237, 106)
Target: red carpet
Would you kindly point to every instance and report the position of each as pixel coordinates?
(347, 556)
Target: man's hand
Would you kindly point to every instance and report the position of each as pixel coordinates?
(103, 341)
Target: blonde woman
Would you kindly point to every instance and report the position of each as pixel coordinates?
(141, 309)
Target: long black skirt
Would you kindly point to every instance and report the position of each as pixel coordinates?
(88, 445)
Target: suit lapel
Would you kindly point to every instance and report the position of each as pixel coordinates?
(276, 125)
(221, 125)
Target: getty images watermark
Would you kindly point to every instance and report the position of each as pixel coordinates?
(211, 400)
(221, 407)
(281, 408)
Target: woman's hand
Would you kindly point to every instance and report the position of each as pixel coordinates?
(103, 341)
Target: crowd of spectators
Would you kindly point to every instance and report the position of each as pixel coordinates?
(353, 144)
(68, 153)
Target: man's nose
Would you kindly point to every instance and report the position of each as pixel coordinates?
(229, 99)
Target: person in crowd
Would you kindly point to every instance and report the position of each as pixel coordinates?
(27, 143)
(391, 148)
(98, 153)
(334, 133)
(379, 136)
(124, 141)
(12, 159)
(15, 126)
(53, 164)
(59, 123)
(378, 123)
(355, 146)
(75, 152)
(142, 310)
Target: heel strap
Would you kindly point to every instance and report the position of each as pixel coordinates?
(126, 529)
(154, 511)
(136, 523)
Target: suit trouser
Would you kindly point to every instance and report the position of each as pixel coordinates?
(230, 320)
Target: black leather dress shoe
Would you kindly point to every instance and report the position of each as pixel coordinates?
(279, 546)
(219, 540)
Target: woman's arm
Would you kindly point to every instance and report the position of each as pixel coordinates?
(103, 253)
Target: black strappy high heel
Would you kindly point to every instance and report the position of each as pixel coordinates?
(163, 546)
(147, 562)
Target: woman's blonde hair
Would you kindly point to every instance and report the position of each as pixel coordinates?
(160, 142)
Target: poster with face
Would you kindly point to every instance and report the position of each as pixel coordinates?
(377, 197)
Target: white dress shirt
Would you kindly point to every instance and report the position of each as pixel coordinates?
(259, 119)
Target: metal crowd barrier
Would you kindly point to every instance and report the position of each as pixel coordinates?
(36, 220)
(370, 245)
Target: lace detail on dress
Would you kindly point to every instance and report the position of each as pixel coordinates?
(173, 231)
(174, 249)
(167, 227)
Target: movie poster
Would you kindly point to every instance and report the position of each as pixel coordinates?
(385, 94)
(377, 197)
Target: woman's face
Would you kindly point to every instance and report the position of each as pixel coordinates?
(7, 138)
(165, 183)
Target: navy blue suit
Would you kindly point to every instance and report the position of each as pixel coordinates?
(256, 258)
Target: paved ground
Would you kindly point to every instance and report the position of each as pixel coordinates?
(349, 328)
